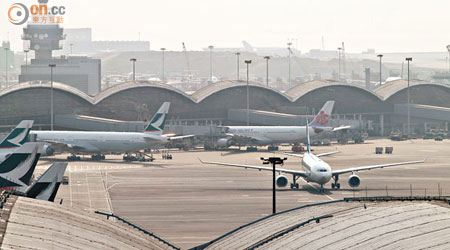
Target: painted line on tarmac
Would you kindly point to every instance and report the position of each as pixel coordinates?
(70, 185)
(88, 193)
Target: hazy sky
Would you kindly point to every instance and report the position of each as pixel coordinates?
(386, 25)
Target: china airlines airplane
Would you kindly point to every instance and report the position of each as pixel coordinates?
(316, 170)
(272, 135)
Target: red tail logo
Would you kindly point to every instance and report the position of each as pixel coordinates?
(322, 118)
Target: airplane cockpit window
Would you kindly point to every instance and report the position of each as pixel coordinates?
(323, 170)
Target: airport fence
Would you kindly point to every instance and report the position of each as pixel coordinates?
(139, 228)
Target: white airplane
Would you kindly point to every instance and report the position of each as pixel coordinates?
(17, 169)
(270, 135)
(316, 170)
(46, 186)
(99, 143)
(15, 139)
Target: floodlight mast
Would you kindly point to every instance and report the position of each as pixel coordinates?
(274, 161)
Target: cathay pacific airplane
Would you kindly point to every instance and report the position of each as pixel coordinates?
(47, 185)
(316, 170)
(99, 143)
(15, 139)
(17, 170)
(271, 135)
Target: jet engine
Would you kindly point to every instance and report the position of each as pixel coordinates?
(354, 181)
(224, 142)
(281, 181)
(47, 150)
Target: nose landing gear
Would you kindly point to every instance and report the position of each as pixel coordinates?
(294, 184)
(336, 185)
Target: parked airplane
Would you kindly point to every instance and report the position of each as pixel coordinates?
(316, 170)
(15, 139)
(17, 169)
(47, 185)
(270, 135)
(99, 143)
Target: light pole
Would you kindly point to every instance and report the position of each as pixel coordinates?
(248, 101)
(274, 161)
(51, 95)
(162, 50)
(133, 60)
(6, 66)
(448, 48)
(408, 59)
(210, 47)
(26, 59)
(339, 61)
(237, 55)
(267, 69)
(289, 62)
(380, 56)
(71, 45)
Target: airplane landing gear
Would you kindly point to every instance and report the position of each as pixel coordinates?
(73, 158)
(294, 184)
(336, 185)
(321, 188)
(98, 157)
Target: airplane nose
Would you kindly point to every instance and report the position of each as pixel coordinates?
(324, 178)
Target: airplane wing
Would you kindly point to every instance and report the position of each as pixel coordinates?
(280, 170)
(180, 137)
(318, 155)
(341, 128)
(327, 153)
(351, 170)
(291, 154)
(150, 139)
(70, 146)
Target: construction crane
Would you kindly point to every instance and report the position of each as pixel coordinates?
(187, 62)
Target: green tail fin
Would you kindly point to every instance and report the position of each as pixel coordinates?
(156, 124)
(18, 136)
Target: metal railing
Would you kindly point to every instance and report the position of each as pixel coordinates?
(286, 231)
(138, 228)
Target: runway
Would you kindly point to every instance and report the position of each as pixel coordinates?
(189, 203)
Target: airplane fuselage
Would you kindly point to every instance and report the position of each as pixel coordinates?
(101, 142)
(266, 135)
(318, 170)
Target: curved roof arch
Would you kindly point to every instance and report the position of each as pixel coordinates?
(302, 89)
(45, 84)
(389, 89)
(138, 84)
(214, 88)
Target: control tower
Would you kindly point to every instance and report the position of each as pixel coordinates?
(44, 38)
(81, 72)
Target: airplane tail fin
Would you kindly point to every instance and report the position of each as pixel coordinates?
(46, 187)
(308, 141)
(17, 169)
(156, 124)
(18, 136)
(322, 118)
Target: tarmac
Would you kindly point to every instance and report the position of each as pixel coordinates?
(188, 203)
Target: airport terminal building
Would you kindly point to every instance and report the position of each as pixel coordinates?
(379, 111)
